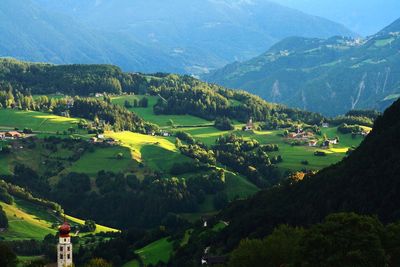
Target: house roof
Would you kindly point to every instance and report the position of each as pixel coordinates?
(13, 133)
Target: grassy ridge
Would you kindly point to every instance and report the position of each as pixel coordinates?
(29, 221)
(99, 228)
(23, 225)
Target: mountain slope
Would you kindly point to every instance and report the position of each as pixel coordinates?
(330, 76)
(366, 182)
(151, 36)
(355, 14)
(30, 32)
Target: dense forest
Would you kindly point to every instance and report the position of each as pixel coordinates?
(146, 203)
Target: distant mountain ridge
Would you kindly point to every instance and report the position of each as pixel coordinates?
(151, 36)
(361, 16)
(330, 76)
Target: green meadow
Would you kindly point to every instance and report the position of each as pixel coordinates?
(238, 186)
(37, 121)
(104, 159)
(292, 155)
(30, 221)
(160, 250)
(24, 225)
(161, 120)
(157, 153)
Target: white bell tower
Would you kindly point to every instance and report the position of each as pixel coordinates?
(64, 247)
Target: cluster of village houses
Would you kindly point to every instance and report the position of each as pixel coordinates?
(101, 139)
(11, 135)
(161, 133)
(308, 137)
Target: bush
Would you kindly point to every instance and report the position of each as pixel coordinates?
(3, 218)
(223, 124)
(185, 137)
(320, 153)
(27, 131)
(347, 129)
(5, 196)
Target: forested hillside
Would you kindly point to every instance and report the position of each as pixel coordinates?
(295, 222)
(150, 154)
(151, 36)
(180, 94)
(366, 182)
(330, 76)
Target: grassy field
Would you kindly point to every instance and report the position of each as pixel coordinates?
(292, 155)
(37, 121)
(161, 120)
(133, 263)
(29, 221)
(207, 135)
(23, 225)
(238, 186)
(104, 159)
(26, 260)
(160, 250)
(4, 165)
(157, 153)
(99, 228)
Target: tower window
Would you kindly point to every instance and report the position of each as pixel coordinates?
(68, 249)
(68, 256)
(61, 256)
(61, 248)
(65, 240)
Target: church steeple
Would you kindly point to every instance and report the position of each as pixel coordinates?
(64, 247)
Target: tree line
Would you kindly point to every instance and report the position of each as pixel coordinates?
(179, 94)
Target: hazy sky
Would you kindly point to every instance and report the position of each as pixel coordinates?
(365, 17)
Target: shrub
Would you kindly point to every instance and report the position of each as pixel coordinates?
(223, 124)
(320, 153)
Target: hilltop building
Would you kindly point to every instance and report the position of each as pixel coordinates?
(249, 125)
(64, 247)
